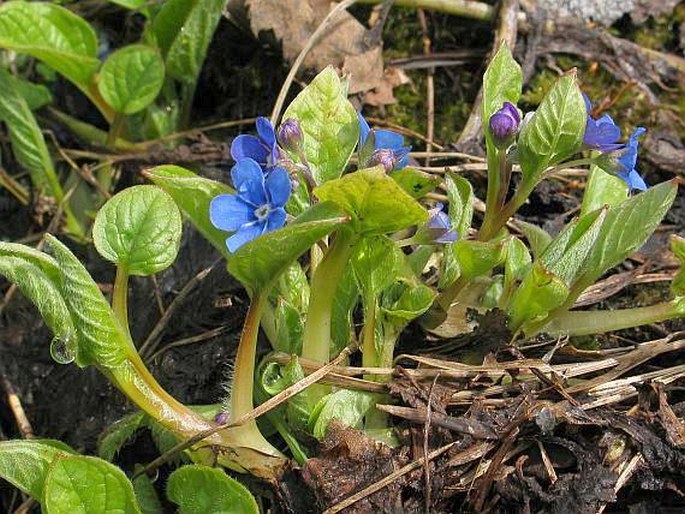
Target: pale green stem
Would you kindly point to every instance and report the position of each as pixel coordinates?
(580, 323)
(465, 8)
(369, 353)
(120, 298)
(115, 129)
(316, 340)
(494, 198)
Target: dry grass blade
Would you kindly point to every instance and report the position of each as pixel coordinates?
(471, 427)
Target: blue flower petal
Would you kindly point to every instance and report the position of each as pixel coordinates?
(246, 170)
(276, 219)
(245, 234)
(247, 146)
(229, 212)
(602, 133)
(628, 159)
(635, 181)
(364, 129)
(266, 132)
(278, 187)
(387, 139)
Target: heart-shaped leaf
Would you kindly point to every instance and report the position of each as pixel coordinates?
(53, 34)
(25, 463)
(139, 229)
(329, 124)
(87, 485)
(374, 201)
(131, 78)
(200, 489)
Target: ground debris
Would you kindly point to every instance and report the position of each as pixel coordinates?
(349, 461)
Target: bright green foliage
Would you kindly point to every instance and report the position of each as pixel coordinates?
(602, 189)
(375, 263)
(626, 227)
(539, 293)
(555, 131)
(344, 406)
(461, 198)
(130, 78)
(415, 183)
(502, 82)
(25, 463)
(118, 433)
(329, 123)
(257, 266)
(38, 277)
(101, 340)
(538, 238)
(77, 484)
(53, 34)
(678, 249)
(184, 30)
(476, 258)
(147, 495)
(200, 489)
(193, 195)
(139, 229)
(374, 201)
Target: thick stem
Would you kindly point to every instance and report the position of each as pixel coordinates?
(492, 200)
(115, 130)
(466, 8)
(120, 298)
(316, 341)
(580, 323)
(243, 379)
(369, 353)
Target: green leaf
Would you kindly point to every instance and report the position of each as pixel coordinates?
(256, 264)
(538, 239)
(461, 198)
(516, 262)
(38, 277)
(25, 463)
(139, 229)
(415, 183)
(477, 258)
(184, 30)
(567, 253)
(27, 139)
(77, 484)
(602, 189)
(346, 297)
(200, 489)
(35, 95)
(626, 228)
(54, 35)
(293, 285)
(193, 195)
(502, 82)
(130, 4)
(554, 132)
(118, 433)
(345, 406)
(289, 328)
(329, 124)
(131, 78)
(101, 339)
(678, 249)
(539, 293)
(406, 301)
(147, 495)
(375, 263)
(374, 201)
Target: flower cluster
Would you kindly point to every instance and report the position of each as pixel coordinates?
(617, 158)
(383, 147)
(262, 188)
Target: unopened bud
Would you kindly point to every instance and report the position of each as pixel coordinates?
(290, 135)
(504, 125)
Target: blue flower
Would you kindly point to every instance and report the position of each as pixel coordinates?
(623, 160)
(600, 134)
(437, 230)
(261, 148)
(257, 206)
(382, 140)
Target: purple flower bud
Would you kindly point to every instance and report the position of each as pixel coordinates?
(290, 135)
(389, 159)
(222, 418)
(504, 125)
